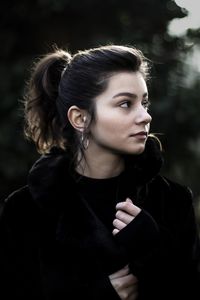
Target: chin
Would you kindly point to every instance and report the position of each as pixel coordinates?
(138, 150)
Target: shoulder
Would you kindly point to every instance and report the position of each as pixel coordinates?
(172, 204)
(18, 208)
(172, 193)
(19, 197)
(174, 187)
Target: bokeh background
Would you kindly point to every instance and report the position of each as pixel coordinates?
(31, 28)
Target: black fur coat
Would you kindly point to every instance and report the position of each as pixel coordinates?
(53, 246)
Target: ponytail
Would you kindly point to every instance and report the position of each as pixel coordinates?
(42, 123)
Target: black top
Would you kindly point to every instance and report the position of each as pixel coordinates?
(102, 195)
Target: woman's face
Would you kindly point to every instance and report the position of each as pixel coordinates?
(122, 118)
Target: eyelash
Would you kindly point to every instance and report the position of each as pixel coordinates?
(146, 103)
(125, 102)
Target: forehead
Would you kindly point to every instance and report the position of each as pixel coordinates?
(130, 81)
(125, 82)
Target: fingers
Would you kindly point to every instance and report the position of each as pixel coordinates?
(126, 212)
(118, 224)
(125, 284)
(129, 293)
(129, 280)
(128, 207)
(120, 273)
(123, 216)
(115, 231)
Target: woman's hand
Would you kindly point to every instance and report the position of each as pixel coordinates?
(125, 284)
(126, 212)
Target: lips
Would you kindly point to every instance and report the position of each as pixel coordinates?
(141, 133)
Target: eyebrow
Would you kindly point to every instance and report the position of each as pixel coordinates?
(131, 95)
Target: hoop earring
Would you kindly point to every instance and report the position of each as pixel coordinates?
(84, 140)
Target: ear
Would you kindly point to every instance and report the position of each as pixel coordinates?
(77, 117)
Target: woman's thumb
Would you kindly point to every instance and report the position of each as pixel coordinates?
(129, 200)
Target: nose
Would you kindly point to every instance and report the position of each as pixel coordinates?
(143, 116)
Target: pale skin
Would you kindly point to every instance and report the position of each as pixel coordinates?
(121, 127)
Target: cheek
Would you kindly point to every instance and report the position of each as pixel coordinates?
(109, 125)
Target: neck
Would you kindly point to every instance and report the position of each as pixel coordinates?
(101, 165)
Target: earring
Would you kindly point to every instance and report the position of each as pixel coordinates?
(84, 140)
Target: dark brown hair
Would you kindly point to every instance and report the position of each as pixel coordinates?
(60, 80)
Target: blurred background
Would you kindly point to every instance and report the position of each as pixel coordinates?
(167, 31)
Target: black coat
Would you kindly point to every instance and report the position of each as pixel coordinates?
(53, 246)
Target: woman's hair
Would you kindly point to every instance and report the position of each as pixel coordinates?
(60, 80)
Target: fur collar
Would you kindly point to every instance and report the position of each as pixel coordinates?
(49, 178)
(74, 224)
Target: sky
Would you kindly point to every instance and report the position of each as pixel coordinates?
(178, 27)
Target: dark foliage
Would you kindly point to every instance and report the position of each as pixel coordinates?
(31, 28)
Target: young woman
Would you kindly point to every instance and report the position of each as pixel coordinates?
(96, 220)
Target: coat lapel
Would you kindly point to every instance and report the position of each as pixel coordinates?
(91, 237)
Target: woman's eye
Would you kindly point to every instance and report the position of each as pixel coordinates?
(125, 104)
(146, 103)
